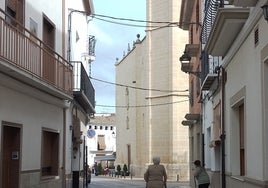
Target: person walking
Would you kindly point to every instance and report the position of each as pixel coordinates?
(201, 175)
(155, 176)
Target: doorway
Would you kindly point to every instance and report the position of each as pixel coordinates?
(49, 61)
(11, 146)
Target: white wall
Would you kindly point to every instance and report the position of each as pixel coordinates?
(53, 10)
(34, 115)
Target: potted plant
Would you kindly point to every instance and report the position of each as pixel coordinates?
(125, 170)
(118, 170)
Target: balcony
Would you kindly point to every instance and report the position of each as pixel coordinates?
(227, 25)
(27, 59)
(83, 91)
(243, 3)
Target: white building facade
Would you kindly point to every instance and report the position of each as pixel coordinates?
(42, 114)
(80, 53)
(36, 85)
(239, 102)
(101, 140)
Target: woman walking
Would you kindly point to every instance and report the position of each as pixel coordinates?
(201, 175)
(155, 176)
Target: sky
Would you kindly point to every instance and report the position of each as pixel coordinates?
(111, 41)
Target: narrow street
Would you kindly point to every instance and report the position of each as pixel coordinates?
(109, 182)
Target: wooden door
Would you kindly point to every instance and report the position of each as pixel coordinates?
(11, 156)
(49, 64)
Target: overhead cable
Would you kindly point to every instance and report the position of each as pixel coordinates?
(140, 88)
(140, 106)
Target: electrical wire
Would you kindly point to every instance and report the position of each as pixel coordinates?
(142, 106)
(134, 20)
(140, 88)
(167, 23)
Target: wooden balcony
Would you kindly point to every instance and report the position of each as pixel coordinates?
(27, 59)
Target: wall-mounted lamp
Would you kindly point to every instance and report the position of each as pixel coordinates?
(113, 134)
(265, 12)
(185, 58)
(186, 66)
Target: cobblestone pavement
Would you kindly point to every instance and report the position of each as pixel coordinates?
(111, 182)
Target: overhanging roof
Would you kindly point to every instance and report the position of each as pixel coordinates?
(243, 3)
(207, 83)
(186, 13)
(192, 49)
(187, 122)
(190, 116)
(227, 26)
(88, 5)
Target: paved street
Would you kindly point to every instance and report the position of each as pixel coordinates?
(108, 182)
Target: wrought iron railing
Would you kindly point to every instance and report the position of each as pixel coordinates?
(82, 82)
(210, 12)
(211, 8)
(20, 48)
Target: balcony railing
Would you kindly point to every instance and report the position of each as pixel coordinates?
(210, 12)
(84, 92)
(24, 52)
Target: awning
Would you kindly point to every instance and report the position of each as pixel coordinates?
(105, 158)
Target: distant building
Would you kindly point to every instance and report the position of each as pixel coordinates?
(148, 120)
(101, 140)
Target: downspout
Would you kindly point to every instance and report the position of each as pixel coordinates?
(64, 150)
(222, 137)
(64, 110)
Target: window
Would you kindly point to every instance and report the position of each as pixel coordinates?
(238, 129)
(242, 139)
(50, 153)
(12, 14)
(256, 36)
(127, 98)
(127, 122)
(217, 122)
(191, 93)
(101, 142)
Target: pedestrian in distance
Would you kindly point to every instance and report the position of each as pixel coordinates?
(155, 176)
(201, 175)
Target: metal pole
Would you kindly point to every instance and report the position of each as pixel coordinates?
(84, 163)
(86, 169)
(222, 137)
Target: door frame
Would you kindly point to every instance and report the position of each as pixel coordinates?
(5, 124)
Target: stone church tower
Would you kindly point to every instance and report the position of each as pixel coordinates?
(150, 111)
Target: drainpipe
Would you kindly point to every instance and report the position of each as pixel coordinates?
(64, 150)
(222, 137)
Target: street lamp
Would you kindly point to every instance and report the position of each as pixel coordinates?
(186, 66)
(185, 58)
